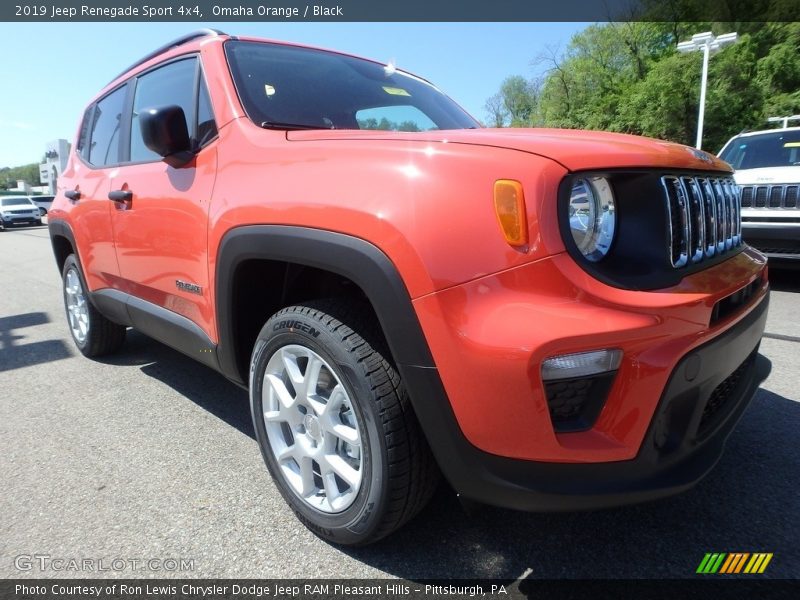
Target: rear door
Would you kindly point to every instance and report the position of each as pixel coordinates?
(90, 212)
(161, 232)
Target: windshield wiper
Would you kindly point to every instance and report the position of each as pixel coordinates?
(282, 125)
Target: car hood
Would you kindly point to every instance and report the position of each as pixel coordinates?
(576, 150)
(768, 175)
(19, 207)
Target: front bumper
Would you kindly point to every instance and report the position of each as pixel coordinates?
(705, 396)
(20, 220)
(778, 239)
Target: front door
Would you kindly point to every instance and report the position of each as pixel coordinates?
(160, 229)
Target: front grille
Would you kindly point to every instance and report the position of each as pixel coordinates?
(704, 217)
(770, 196)
(723, 392)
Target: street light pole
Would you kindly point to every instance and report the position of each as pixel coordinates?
(703, 85)
(708, 43)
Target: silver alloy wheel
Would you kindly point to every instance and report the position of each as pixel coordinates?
(77, 308)
(312, 429)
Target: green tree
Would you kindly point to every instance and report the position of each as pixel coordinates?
(28, 173)
(628, 77)
(515, 104)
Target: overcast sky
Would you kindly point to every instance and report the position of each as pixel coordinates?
(50, 70)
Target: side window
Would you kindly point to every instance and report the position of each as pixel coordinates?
(394, 118)
(104, 146)
(82, 146)
(206, 126)
(170, 84)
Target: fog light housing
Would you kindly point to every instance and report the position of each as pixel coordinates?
(576, 387)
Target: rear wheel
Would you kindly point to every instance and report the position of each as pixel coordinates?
(93, 334)
(335, 425)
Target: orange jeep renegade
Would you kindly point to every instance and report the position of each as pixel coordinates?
(553, 320)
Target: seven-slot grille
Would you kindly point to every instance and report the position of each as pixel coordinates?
(704, 217)
(770, 196)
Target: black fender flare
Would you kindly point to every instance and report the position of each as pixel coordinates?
(60, 228)
(358, 260)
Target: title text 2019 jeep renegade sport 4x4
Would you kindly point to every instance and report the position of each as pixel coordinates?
(554, 320)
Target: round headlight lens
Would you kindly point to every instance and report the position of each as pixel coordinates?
(592, 216)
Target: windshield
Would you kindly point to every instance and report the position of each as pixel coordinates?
(773, 149)
(15, 202)
(291, 87)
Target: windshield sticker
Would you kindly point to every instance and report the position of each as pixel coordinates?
(792, 145)
(395, 91)
(269, 89)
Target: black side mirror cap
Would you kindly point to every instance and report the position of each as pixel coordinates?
(164, 132)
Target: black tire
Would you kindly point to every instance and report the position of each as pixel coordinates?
(398, 472)
(39, 222)
(102, 336)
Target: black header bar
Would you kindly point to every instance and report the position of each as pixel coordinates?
(398, 10)
(699, 587)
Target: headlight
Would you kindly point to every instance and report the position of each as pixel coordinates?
(592, 217)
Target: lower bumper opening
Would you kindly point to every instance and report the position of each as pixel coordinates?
(576, 403)
(725, 391)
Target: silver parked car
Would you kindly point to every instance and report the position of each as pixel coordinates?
(18, 210)
(43, 202)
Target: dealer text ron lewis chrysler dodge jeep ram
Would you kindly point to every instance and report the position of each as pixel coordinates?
(553, 320)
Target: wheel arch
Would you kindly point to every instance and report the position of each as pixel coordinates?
(345, 256)
(63, 242)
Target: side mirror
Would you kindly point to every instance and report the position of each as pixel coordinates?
(164, 132)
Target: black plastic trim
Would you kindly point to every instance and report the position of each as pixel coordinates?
(599, 386)
(638, 258)
(358, 260)
(60, 228)
(112, 304)
(157, 322)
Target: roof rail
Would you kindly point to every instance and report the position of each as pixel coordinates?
(173, 44)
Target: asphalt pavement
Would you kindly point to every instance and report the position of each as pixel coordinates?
(150, 455)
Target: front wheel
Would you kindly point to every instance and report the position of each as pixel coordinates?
(335, 426)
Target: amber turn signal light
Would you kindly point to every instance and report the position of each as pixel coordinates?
(509, 204)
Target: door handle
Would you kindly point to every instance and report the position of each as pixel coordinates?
(120, 195)
(73, 194)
